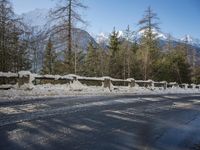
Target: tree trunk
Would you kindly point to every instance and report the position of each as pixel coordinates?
(70, 34)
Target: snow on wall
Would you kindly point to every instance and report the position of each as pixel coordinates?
(75, 87)
(8, 74)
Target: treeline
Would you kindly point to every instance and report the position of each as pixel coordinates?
(128, 56)
(13, 40)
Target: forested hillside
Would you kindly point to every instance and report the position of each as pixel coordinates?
(60, 46)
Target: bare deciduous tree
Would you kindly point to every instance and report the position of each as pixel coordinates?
(67, 14)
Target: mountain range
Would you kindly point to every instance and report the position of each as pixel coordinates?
(40, 18)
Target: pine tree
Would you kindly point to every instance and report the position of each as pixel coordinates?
(104, 57)
(92, 62)
(173, 66)
(196, 75)
(162, 68)
(49, 59)
(181, 64)
(114, 42)
(148, 51)
(115, 66)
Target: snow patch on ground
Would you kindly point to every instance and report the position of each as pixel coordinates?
(22, 108)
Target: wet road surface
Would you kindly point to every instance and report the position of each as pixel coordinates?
(162, 122)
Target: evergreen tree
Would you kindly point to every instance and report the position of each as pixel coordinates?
(92, 62)
(49, 59)
(115, 67)
(148, 50)
(196, 75)
(181, 64)
(173, 66)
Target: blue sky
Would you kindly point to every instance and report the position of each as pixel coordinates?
(177, 17)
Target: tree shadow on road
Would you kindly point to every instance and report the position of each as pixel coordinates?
(123, 126)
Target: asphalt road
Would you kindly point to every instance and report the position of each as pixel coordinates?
(162, 122)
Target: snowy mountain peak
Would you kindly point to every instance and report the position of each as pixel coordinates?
(187, 38)
(158, 34)
(161, 35)
(40, 17)
(120, 34)
(102, 37)
(37, 17)
(190, 40)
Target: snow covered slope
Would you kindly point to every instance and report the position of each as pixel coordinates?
(191, 40)
(40, 18)
(37, 17)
